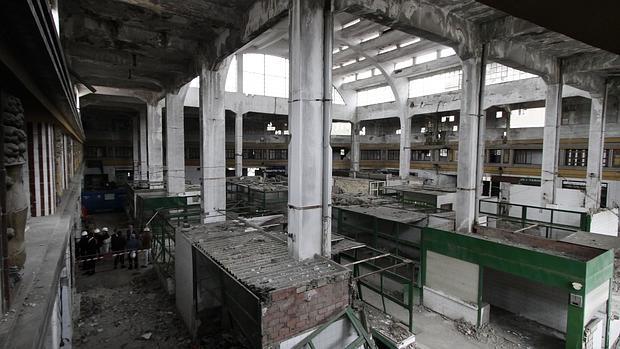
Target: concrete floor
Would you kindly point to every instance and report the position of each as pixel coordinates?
(506, 330)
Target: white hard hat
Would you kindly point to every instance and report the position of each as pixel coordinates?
(105, 229)
(97, 230)
(147, 229)
(84, 233)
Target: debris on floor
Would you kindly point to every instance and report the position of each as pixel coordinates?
(138, 314)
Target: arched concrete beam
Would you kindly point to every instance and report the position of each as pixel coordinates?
(421, 18)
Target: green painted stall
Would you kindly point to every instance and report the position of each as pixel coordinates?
(554, 263)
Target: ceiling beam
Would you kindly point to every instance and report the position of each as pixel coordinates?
(421, 18)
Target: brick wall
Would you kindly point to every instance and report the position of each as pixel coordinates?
(295, 310)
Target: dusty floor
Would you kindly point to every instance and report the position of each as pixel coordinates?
(506, 331)
(125, 309)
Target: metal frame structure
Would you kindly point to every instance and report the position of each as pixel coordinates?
(549, 221)
(387, 268)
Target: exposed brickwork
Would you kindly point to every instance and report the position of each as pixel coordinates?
(295, 310)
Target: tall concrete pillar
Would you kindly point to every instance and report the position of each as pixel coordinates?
(355, 147)
(239, 72)
(239, 143)
(469, 175)
(143, 147)
(136, 147)
(175, 141)
(309, 214)
(213, 142)
(400, 87)
(551, 139)
(596, 143)
(155, 145)
(404, 159)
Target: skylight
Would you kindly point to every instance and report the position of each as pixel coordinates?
(371, 37)
(409, 42)
(350, 24)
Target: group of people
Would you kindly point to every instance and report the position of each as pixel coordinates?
(98, 243)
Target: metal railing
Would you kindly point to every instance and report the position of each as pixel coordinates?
(543, 217)
(384, 281)
(163, 226)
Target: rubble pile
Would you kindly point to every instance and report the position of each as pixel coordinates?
(137, 315)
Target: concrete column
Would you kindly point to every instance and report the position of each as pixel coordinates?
(355, 147)
(239, 72)
(175, 141)
(596, 143)
(239, 143)
(309, 74)
(401, 92)
(155, 145)
(136, 148)
(551, 141)
(469, 180)
(143, 147)
(213, 142)
(404, 160)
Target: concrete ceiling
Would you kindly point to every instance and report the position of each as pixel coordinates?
(154, 45)
(142, 44)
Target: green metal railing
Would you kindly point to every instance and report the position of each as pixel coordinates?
(163, 215)
(384, 281)
(400, 239)
(547, 218)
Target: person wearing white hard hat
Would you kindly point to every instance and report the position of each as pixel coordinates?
(82, 245)
(146, 238)
(91, 254)
(105, 240)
